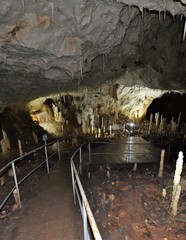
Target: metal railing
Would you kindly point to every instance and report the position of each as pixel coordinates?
(13, 163)
(76, 168)
(78, 192)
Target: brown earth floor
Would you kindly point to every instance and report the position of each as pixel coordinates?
(128, 205)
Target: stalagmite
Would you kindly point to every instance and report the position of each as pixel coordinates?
(173, 126)
(92, 129)
(160, 174)
(5, 143)
(161, 126)
(99, 132)
(20, 148)
(2, 181)
(176, 199)
(157, 120)
(164, 192)
(150, 125)
(35, 137)
(135, 167)
(179, 118)
(159, 14)
(16, 196)
(110, 130)
(176, 184)
(108, 171)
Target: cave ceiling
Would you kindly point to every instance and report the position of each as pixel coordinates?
(50, 46)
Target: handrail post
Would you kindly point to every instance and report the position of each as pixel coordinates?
(85, 229)
(73, 182)
(89, 152)
(58, 147)
(46, 153)
(16, 184)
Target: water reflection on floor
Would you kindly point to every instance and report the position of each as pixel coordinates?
(128, 150)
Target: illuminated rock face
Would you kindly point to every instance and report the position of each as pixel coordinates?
(45, 117)
(48, 47)
(93, 108)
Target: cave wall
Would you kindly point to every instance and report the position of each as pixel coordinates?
(48, 47)
(118, 55)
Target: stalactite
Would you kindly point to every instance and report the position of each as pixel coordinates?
(81, 66)
(103, 63)
(52, 10)
(23, 3)
(164, 15)
(141, 10)
(50, 6)
(184, 30)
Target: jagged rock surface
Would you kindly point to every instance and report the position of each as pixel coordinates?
(52, 46)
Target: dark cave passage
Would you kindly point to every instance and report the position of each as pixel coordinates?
(170, 105)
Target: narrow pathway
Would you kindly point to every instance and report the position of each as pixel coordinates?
(49, 212)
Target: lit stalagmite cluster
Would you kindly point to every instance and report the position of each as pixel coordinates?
(92, 111)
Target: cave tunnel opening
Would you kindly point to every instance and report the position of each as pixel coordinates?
(170, 105)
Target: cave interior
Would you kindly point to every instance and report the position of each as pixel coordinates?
(72, 62)
(90, 71)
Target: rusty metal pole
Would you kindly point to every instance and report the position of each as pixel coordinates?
(16, 184)
(85, 227)
(73, 182)
(46, 153)
(80, 160)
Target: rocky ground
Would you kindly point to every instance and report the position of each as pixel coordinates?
(129, 205)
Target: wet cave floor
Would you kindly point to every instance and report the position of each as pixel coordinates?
(128, 204)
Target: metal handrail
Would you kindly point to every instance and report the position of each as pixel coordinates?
(79, 192)
(12, 165)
